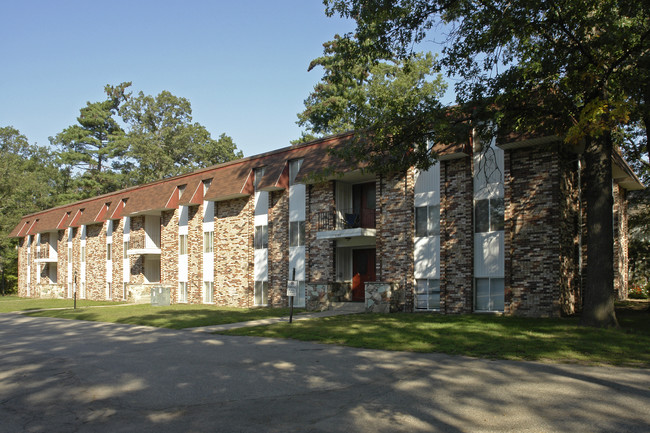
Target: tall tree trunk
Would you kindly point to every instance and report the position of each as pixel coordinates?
(598, 309)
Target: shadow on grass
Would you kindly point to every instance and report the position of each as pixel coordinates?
(173, 317)
(513, 338)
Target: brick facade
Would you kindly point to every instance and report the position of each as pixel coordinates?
(169, 251)
(543, 239)
(195, 255)
(233, 252)
(456, 236)
(319, 254)
(96, 262)
(394, 242)
(620, 242)
(278, 247)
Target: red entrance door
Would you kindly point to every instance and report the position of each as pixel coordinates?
(363, 269)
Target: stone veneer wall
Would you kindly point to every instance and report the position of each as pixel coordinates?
(394, 240)
(51, 291)
(278, 247)
(456, 236)
(620, 242)
(532, 232)
(96, 262)
(319, 254)
(382, 297)
(233, 252)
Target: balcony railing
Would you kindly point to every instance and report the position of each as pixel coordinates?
(341, 219)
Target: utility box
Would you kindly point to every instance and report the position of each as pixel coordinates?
(160, 296)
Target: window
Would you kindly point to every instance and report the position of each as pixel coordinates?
(208, 242)
(124, 291)
(259, 174)
(83, 253)
(427, 294)
(109, 290)
(69, 254)
(108, 251)
(489, 215)
(261, 237)
(208, 292)
(125, 254)
(182, 291)
(261, 292)
(182, 244)
(489, 294)
(296, 233)
(294, 168)
(427, 221)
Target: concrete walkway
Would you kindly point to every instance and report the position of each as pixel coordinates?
(270, 321)
(66, 375)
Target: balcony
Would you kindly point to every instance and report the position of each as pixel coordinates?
(346, 224)
(139, 246)
(46, 255)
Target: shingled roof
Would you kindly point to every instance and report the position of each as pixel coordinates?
(228, 180)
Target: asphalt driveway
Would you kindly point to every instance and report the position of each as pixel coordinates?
(73, 376)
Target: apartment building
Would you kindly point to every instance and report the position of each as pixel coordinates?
(494, 229)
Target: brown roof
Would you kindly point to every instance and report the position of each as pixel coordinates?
(228, 180)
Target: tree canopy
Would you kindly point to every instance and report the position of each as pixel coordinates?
(29, 180)
(92, 148)
(572, 68)
(162, 141)
(127, 140)
(385, 100)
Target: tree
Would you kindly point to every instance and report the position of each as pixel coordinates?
(386, 100)
(28, 181)
(90, 149)
(162, 140)
(563, 67)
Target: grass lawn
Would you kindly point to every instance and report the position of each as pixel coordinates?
(176, 316)
(14, 303)
(483, 336)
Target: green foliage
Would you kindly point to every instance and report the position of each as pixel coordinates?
(305, 137)
(28, 184)
(90, 149)
(577, 69)
(392, 103)
(98, 156)
(163, 141)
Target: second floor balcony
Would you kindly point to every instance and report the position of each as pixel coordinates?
(346, 223)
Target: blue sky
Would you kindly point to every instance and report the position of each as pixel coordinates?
(241, 63)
